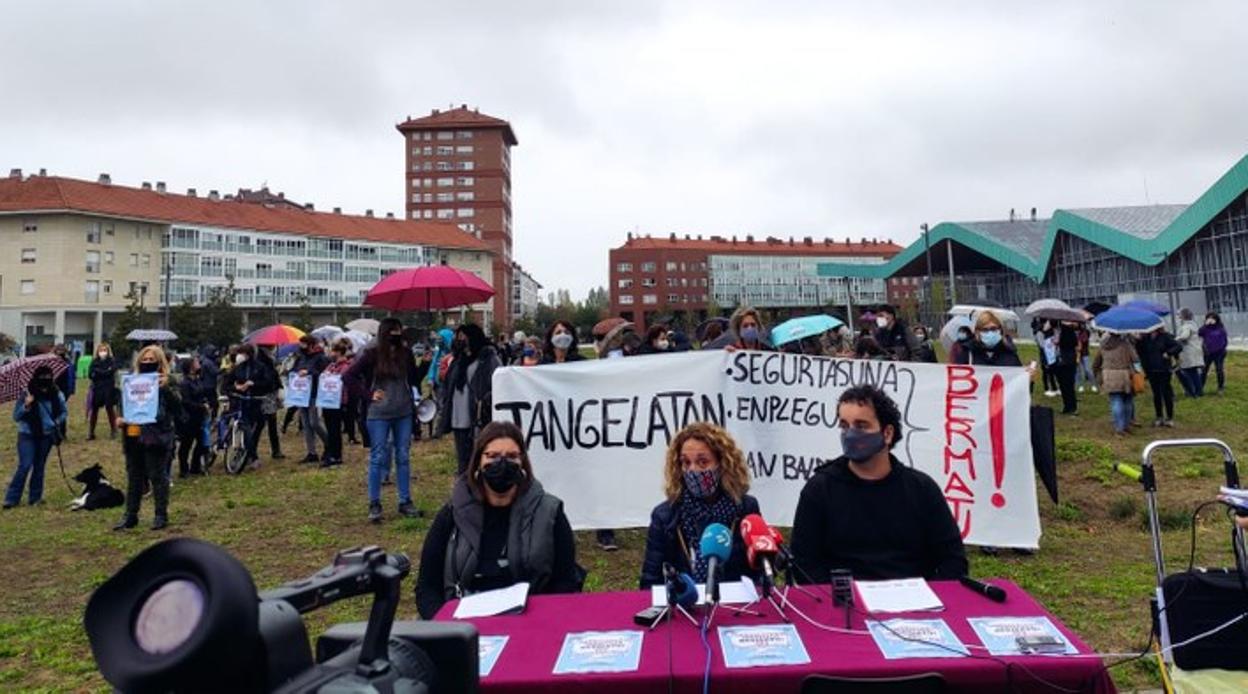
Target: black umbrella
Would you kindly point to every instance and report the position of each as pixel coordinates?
(1044, 447)
(1097, 307)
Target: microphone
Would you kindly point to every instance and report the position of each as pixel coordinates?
(760, 547)
(681, 590)
(716, 545)
(993, 593)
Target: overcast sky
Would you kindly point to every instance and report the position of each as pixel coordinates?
(786, 119)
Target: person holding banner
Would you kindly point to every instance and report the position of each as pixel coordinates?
(868, 512)
(990, 346)
(148, 440)
(705, 481)
(747, 326)
(499, 528)
(310, 361)
(657, 341)
(465, 404)
(332, 398)
(389, 374)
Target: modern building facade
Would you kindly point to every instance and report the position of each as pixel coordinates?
(525, 293)
(692, 278)
(458, 169)
(81, 247)
(1193, 256)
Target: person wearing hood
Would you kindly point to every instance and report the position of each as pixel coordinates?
(959, 351)
(499, 528)
(925, 350)
(388, 374)
(868, 512)
(893, 335)
(148, 448)
(466, 400)
(310, 361)
(1192, 358)
(103, 376)
(705, 481)
(38, 413)
(560, 345)
(747, 326)
(1214, 341)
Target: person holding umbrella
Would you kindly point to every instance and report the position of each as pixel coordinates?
(1113, 366)
(39, 413)
(103, 376)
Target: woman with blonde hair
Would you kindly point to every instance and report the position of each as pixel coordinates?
(103, 375)
(705, 479)
(148, 447)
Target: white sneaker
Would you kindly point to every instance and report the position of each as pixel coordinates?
(1095, 389)
(1080, 389)
(1050, 393)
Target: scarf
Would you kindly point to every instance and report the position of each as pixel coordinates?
(695, 515)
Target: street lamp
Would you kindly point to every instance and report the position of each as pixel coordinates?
(927, 283)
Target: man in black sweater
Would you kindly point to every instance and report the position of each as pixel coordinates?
(868, 512)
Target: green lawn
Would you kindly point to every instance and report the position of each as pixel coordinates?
(1094, 569)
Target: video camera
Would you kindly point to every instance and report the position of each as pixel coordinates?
(185, 616)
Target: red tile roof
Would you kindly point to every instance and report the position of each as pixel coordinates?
(55, 193)
(463, 118)
(749, 245)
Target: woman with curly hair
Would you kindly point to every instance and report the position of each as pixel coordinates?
(705, 480)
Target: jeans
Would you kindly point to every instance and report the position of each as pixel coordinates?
(1122, 409)
(310, 417)
(1163, 395)
(463, 448)
(333, 433)
(1190, 379)
(32, 457)
(1085, 371)
(389, 436)
(1217, 361)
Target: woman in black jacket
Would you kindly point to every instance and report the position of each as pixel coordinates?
(990, 346)
(250, 382)
(499, 528)
(1157, 351)
(466, 398)
(103, 374)
(705, 480)
(560, 345)
(197, 391)
(149, 447)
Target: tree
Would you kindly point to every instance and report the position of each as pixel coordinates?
(224, 322)
(185, 322)
(133, 318)
(303, 315)
(526, 324)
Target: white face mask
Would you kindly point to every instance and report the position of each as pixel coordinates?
(561, 341)
(102, 354)
(662, 344)
(615, 354)
(881, 321)
(240, 359)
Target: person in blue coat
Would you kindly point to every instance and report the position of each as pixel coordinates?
(705, 480)
(39, 414)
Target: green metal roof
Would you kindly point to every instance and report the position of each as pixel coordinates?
(1145, 234)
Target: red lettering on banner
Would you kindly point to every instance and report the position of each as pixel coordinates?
(966, 457)
(961, 388)
(961, 510)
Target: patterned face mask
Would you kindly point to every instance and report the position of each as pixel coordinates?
(702, 483)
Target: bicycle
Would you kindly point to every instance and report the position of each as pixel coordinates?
(232, 431)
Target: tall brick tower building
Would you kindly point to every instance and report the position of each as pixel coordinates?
(459, 169)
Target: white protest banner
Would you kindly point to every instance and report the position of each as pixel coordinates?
(329, 391)
(140, 398)
(298, 390)
(597, 431)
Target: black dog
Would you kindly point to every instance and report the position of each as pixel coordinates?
(97, 492)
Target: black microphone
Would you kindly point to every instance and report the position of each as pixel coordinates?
(991, 592)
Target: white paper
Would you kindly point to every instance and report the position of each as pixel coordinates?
(898, 595)
(493, 602)
(731, 593)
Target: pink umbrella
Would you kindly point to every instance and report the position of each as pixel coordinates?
(428, 289)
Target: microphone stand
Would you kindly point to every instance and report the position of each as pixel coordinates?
(789, 583)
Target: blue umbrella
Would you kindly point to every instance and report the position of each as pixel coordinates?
(1124, 320)
(1150, 306)
(800, 328)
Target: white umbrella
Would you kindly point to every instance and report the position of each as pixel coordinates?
(359, 340)
(327, 333)
(364, 325)
(1003, 314)
(949, 333)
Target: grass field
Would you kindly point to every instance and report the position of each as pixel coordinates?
(1094, 568)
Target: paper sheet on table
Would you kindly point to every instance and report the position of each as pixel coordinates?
(898, 595)
(730, 593)
(493, 602)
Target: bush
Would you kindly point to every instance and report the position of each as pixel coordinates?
(1068, 512)
(1123, 508)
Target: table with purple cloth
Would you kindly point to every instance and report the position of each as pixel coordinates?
(536, 636)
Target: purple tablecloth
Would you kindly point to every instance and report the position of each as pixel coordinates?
(528, 660)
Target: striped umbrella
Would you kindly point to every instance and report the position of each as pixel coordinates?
(15, 376)
(274, 335)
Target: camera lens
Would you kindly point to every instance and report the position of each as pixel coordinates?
(169, 616)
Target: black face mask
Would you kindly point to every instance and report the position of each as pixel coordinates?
(42, 387)
(148, 367)
(459, 347)
(503, 474)
(395, 340)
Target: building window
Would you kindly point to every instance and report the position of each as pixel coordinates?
(626, 298)
(428, 150)
(671, 282)
(649, 299)
(623, 267)
(465, 196)
(28, 286)
(465, 212)
(134, 260)
(446, 182)
(427, 137)
(445, 150)
(108, 286)
(93, 261)
(669, 266)
(673, 298)
(647, 267)
(30, 226)
(446, 197)
(415, 182)
(444, 166)
(428, 182)
(626, 283)
(463, 134)
(446, 213)
(92, 293)
(464, 165)
(428, 214)
(427, 166)
(108, 257)
(147, 260)
(465, 181)
(446, 135)
(109, 230)
(649, 282)
(463, 149)
(28, 255)
(93, 232)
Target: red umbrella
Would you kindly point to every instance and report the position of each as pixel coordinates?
(274, 335)
(15, 376)
(428, 289)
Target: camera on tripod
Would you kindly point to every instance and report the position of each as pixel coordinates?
(184, 616)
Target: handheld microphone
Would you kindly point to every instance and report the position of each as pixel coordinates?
(681, 590)
(716, 545)
(994, 593)
(761, 548)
